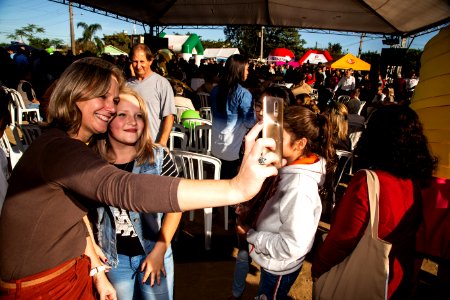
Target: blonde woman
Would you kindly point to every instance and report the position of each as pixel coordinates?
(337, 114)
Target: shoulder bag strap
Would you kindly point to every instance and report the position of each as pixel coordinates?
(373, 187)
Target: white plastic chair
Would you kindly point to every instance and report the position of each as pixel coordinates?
(344, 158)
(180, 111)
(13, 153)
(192, 166)
(354, 138)
(343, 99)
(193, 143)
(177, 140)
(23, 113)
(202, 139)
(361, 106)
(204, 99)
(205, 113)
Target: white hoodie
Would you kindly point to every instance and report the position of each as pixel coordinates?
(287, 224)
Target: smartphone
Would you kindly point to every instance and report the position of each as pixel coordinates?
(273, 123)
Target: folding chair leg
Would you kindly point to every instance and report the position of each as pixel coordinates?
(208, 227)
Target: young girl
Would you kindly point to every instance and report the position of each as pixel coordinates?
(136, 246)
(282, 219)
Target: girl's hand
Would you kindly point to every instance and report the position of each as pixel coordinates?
(104, 288)
(153, 266)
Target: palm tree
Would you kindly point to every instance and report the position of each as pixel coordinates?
(90, 42)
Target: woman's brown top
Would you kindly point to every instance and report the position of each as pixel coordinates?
(41, 222)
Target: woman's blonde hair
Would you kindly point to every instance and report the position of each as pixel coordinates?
(144, 145)
(85, 79)
(337, 113)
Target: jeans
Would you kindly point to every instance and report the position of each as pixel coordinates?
(241, 268)
(127, 279)
(275, 287)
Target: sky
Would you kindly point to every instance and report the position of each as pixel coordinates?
(54, 18)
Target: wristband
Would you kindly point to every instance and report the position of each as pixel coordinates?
(96, 270)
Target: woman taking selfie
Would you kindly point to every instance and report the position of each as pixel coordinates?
(59, 178)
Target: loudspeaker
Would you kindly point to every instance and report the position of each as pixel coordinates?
(393, 56)
(155, 43)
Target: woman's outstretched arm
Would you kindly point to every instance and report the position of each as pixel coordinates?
(196, 194)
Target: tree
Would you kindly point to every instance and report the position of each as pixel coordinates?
(247, 39)
(90, 42)
(215, 44)
(119, 40)
(45, 43)
(26, 32)
(335, 50)
(29, 33)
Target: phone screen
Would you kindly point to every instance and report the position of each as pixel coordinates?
(273, 123)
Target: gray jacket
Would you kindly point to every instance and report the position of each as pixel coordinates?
(287, 224)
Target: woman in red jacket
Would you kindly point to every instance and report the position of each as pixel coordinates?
(394, 146)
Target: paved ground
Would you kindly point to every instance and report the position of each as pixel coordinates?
(207, 275)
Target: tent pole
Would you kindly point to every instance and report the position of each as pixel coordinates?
(262, 43)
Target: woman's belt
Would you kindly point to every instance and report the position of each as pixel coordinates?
(29, 283)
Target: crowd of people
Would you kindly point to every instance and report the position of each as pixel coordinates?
(104, 154)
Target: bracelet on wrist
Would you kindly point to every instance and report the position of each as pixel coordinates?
(97, 270)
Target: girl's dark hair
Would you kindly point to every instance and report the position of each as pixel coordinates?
(394, 142)
(301, 122)
(280, 92)
(233, 75)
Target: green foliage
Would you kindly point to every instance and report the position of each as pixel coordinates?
(26, 33)
(45, 43)
(88, 41)
(119, 40)
(247, 38)
(412, 61)
(215, 44)
(335, 50)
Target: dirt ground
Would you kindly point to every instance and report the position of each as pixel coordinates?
(208, 275)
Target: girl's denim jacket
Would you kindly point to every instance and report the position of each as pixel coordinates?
(146, 225)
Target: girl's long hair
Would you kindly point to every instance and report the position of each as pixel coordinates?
(233, 75)
(301, 122)
(144, 145)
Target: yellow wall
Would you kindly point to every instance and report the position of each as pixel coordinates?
(431, 98)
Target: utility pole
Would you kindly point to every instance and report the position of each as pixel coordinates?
(360, 44)
(262, 43)
(72, 34)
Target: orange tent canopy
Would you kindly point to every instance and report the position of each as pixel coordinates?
(350, 61)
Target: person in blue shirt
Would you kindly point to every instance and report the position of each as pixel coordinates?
(233, 114)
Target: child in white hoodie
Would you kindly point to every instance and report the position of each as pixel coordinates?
(281, 221)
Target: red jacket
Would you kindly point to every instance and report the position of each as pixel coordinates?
(399, 219)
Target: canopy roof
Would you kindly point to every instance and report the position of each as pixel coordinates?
(315, 56)
(370, 16)
(350, 61)
(111, 50)
(220, 52)
(283, 52)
